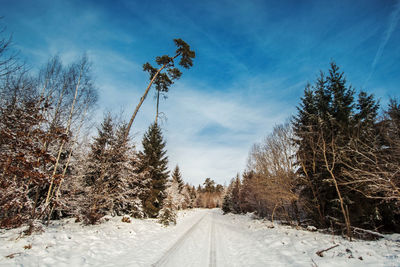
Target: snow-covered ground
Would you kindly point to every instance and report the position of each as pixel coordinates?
(201, 238)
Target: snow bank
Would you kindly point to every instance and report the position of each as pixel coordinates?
(112, 243)
(287, 246)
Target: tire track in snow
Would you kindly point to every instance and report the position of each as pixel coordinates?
(213, 259)
(175, 247)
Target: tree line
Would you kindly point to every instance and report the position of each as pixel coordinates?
(335, 165)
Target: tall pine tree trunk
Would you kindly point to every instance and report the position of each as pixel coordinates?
(142, 100)
(145, 94)
(158, 103)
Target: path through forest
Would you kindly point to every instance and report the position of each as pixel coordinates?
(214, 239)
(217, 240)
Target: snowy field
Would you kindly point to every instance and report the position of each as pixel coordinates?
(201, 238)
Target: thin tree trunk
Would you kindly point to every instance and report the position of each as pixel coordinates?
(53, 122)
(144, 96)
(43, 91)
(57, 192)
(158, 102)
(273, 212)
(63, 142)
(142, 100)
(315, 194)
(330, 170)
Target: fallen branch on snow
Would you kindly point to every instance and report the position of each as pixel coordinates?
(363, 233)
(356, 229)
(319, 253)
(12, 255)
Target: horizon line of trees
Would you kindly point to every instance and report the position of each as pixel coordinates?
(335, 165)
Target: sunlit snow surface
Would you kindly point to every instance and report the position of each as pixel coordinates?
(201, 238)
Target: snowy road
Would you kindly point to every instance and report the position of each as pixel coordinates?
(200, 238)
(211, 241)
(193, 242)
(230, 240)
(197, 246)
(217, 240)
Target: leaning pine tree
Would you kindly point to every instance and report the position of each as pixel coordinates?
(163, 76)
(153, 163)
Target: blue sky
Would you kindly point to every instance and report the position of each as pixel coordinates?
(253, 59)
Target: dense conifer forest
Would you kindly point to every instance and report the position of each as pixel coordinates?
(334, 165)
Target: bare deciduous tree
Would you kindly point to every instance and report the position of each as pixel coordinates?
(8, 58)
(273, 165)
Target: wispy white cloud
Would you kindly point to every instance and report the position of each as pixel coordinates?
(210, 133)
(393, 21)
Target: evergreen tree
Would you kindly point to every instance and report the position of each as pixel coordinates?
(167, 214)
(98, 172)
(187, 198)
(227, 203)
(246, 192)
(177, 176)
(123, 194)
(100, 154)
(153, 161)
(209, 185)
(306, 127)
(336, 137)
(174, 193)
(341, 106)
(236, 195)
(193, 196)
(335, 125)
(323, 124)
(231, 200)
(367, 111)
(363, 138)
(140, 186)
(113, 184)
